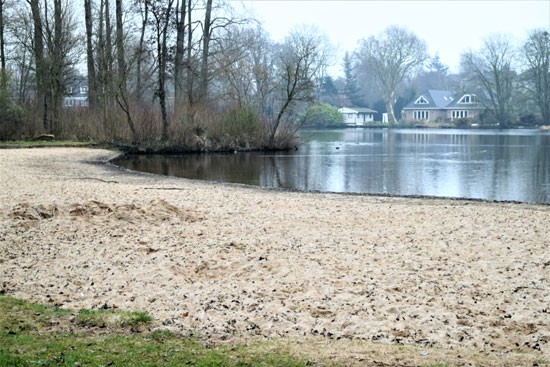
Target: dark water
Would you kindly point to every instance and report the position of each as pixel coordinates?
(483, 164)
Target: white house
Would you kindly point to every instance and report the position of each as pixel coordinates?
(357, 116)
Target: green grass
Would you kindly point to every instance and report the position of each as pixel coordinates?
(112, 318)
(43, 335)
(40, 144)
(38, 335)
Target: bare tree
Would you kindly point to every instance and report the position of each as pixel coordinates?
(21, 31)
(162, 14)
(391, 57)
(57, 63)
(491, 69)
(189, 61)
(301, 60)
(90, 59)
(108, 55)
(537, 57)
(263, 71)
(105, 82)
(122, 90)
(3, 73)
(40, 66)
(179, 58)
(140, 51)
(236, 64)
(54, 48)
(206, 36)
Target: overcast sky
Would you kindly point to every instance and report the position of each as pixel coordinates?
(448, 27)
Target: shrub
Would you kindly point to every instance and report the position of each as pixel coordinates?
(242, 126)
(11, 118)
(462, 123)
(323, 115)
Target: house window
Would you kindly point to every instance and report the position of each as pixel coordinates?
(421, 100)
(84, 103)
(83, 90)
(459, 114)
(421, 115)
(69, 102)
(69, 90)
(468, 98)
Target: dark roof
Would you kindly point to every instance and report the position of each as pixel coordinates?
(435, 99)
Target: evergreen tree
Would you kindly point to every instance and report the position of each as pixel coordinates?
(436, 66)
(328, 92)
(350, 89)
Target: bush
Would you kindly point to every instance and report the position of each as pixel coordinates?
(242, 125)
(462, 123)
(323, 115)
(241, 122)
(11, 118)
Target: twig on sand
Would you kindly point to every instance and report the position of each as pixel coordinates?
(165, 188)
(96, 179)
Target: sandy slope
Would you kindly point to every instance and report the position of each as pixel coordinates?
(229, 261)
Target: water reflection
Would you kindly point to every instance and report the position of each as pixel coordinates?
(494, 165)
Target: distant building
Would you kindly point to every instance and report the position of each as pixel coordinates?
(357, 116)
(76, 94)
(441, 106)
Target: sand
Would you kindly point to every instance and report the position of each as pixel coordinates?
(228, 261)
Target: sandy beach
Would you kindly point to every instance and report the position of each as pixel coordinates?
(228, 262)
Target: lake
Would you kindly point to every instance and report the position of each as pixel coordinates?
(503, 165)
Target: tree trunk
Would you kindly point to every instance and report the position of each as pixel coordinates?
(180, 50)
(121, 64)
(190, 72)
(56, 69)
(39, 61)
(203, 89)
(3, 75)
(101, 83)
(139, 62)
(109, 53)
(162, 50)
(92, 89)
(389, 109)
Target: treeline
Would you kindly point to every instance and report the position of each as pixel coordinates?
(185, 74)
(195, 75)
(386, 71)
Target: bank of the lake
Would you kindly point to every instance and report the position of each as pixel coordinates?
(230, 262)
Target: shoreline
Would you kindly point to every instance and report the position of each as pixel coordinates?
(118, 168)
(227, 261)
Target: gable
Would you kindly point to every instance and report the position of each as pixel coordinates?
(467, 99)
(421, 100)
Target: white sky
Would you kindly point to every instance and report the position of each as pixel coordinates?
(448, 27)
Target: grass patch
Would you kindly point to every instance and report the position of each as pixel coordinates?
(41, 144)
(113, 319)
(43, 335)
(37, 335)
